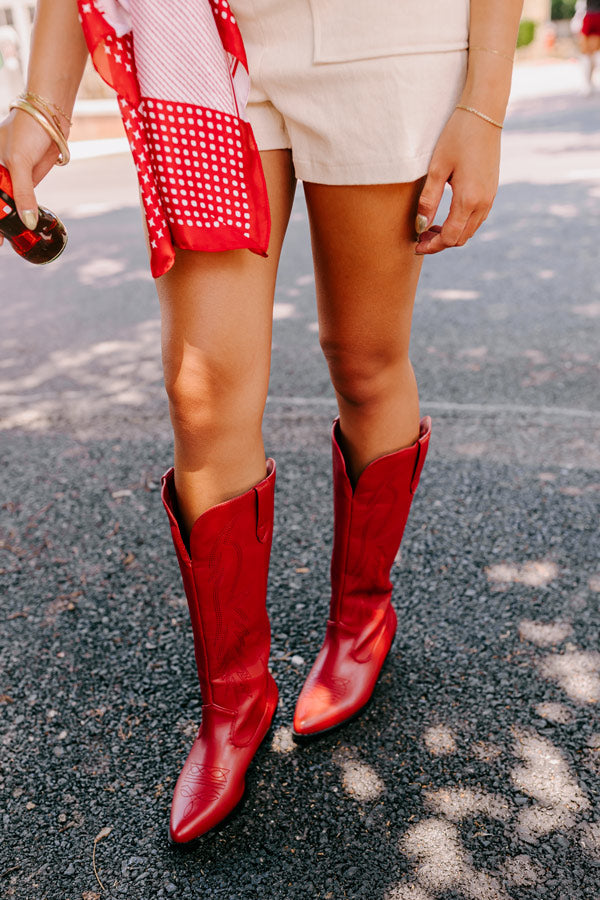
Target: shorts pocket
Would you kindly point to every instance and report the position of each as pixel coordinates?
(346, 30)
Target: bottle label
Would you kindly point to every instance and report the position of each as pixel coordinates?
(5, 209)
(5, 182)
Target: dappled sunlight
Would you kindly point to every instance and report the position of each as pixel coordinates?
(486, 751)
(80, 385)
(460, 803)
(577, 672)
(99, 268)
(522, 871)
(408, 892)
(359, 779)
(544, 634)
(588, 310)
(546, 777)
(536, 356)
(535, 573)
(440, 740)
(283, 311)
(473, 353)
(535, 151)
(108, 272)
(283, 741)
(589, 837)
(554, 712)
(451, 294)
(443, 863)
(460, 819)
(472, 449)
(564, 210)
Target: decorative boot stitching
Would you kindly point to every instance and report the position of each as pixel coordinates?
(202, 784)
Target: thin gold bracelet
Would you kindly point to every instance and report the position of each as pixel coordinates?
(48, 126)
(481, 115)
(49, 105)
(495, 52)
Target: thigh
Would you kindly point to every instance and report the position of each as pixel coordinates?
(594, 43)
(589, 43)
(366, 269)
(217, 307)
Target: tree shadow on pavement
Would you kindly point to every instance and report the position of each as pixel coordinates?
(473, 774)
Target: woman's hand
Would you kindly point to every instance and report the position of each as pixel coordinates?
(467, 155)
(28, 153)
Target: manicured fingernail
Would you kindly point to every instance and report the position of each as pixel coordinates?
(421, 223)
(29, 217)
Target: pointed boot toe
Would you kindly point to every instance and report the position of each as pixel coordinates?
(204, 796)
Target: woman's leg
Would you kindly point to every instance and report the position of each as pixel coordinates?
(366, 276)
(366, 273)
(216, 311)
(589, 45)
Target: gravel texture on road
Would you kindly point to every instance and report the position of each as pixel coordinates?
(474, 774)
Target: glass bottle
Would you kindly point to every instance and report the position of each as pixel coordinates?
(42, 245)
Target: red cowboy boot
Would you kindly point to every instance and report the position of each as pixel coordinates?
(368, 528)
(225, 580)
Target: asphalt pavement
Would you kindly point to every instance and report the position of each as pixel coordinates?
(474, 774)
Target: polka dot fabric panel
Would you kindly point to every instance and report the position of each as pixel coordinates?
(198, 166)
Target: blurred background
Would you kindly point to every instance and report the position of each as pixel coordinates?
(549, 32)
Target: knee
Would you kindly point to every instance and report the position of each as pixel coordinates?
(209, 398)
(361, 373)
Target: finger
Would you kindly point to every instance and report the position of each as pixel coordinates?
(23, 193)
(458, 216)
(475, 220)
(430, 197)
(41, 169)
(453, 230)
(431, 242)
(428, 246)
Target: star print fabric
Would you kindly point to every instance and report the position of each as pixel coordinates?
(181, 78)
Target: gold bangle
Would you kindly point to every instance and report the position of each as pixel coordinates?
(48, 126)
(49, 105)
(496, 52)
(480, 114)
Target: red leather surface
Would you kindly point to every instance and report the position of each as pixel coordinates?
(225, 579)
(368, 529)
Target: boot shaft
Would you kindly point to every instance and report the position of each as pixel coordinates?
(225, 577)
(369, 524)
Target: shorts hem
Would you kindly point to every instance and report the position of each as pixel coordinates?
(397, 171)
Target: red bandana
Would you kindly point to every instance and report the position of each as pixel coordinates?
(180, 73)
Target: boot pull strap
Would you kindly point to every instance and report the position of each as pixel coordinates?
(264, 511)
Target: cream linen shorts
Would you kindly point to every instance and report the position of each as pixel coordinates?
(360, 90)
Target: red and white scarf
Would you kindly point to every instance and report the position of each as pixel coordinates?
(181, 76)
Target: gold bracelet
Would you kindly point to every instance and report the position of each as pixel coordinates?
(49, 105)
(496, 52)
(48, 126)
(480, 114)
